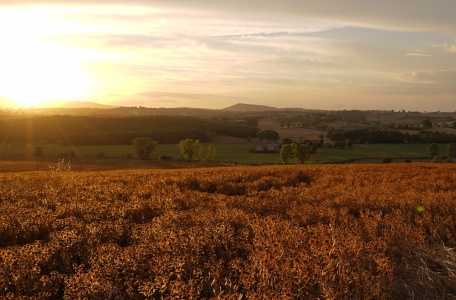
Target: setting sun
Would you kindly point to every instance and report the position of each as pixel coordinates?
(33, 73)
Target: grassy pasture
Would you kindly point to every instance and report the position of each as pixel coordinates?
(229, 153)
(237, 153)
(412, 151)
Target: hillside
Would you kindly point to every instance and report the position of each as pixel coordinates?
(87, 130)
(288, 232)
(249, 108)
(73, 104)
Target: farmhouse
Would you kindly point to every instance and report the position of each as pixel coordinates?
(328, 143)
(273, 147)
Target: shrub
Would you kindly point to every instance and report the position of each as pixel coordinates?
(100, 155)
(388, 160)
(437, 159)
(63, 155)
(60, 166)
(39, 151)
(433, 150)
(143, 147)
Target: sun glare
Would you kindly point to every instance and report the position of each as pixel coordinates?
(32, 73)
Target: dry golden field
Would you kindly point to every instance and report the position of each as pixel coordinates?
(276, 232)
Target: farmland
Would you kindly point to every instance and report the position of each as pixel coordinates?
(233, 153)
(278, 232)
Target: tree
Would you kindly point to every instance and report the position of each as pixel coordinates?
(269, 135)
(143, 147)
(433, 150)
(193, 149)
(287, 153)
(202, 153)
(302, 152)
(451, 150)
(427, 123)
(210, 152)
(437, 159)
(189, 148)
(206, 154)
(39, 151)
(287, 141)
(388, 160)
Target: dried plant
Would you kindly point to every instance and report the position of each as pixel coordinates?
(60, 166)
(276, 232)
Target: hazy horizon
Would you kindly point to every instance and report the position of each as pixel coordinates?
(314, 55)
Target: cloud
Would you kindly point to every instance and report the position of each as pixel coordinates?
(433, 83)
(408, 15)
(436, 77)
(417, 54)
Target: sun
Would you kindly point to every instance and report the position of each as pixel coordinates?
(32, 73)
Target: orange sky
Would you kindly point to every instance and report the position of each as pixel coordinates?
(383, 55)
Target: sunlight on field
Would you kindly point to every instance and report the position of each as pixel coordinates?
(327, 231)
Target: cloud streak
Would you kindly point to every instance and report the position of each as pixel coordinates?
(410, 15)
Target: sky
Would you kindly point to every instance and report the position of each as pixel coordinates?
(326, 54)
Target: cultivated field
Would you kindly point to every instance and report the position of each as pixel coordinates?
(294, 133)
(277, 232)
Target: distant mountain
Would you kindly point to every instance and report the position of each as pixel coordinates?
(73, 104)
(249, 107)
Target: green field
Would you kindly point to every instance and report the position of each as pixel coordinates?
(237, 153)
(377, 151)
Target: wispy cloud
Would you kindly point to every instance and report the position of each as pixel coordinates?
(417, 54)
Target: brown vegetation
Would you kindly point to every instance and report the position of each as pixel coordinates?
(288, 232)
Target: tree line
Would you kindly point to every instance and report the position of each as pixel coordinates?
(379, 136)
(192, 150)
(87, 130)
(433, 152)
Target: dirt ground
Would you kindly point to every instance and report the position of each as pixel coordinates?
(380, 160)
(76, 164)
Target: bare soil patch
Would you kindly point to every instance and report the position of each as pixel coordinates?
(79, 164)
